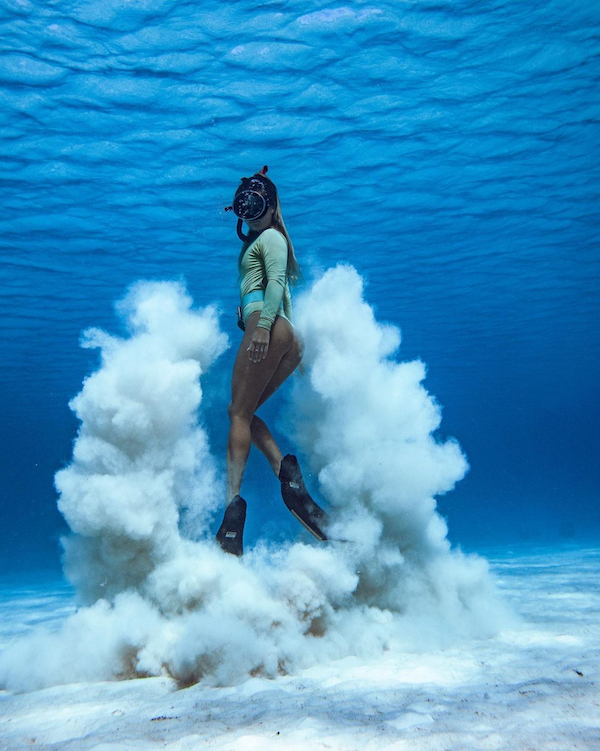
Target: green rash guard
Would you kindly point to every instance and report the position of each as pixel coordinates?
(264, 267)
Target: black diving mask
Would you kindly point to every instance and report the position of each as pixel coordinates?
(250, 204)
(253, 198)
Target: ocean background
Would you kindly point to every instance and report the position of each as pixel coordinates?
(446, 150)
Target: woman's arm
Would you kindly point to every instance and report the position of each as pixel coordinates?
(274, 252)
(275, 256)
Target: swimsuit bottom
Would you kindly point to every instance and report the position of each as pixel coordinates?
(253, 301)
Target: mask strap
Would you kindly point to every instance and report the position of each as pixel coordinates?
(241, 235)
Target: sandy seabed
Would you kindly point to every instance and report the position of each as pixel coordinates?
(533, 687)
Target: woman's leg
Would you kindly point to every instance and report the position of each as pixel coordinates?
(263, 439)
(249, 382)
(260, 434)
(252, 385)
(293, 490)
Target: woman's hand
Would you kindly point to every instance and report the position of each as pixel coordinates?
(259, 344)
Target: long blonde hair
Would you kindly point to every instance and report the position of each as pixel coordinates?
(294, 273)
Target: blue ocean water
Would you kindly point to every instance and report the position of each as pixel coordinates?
(447, 150)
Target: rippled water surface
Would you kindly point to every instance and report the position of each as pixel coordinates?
(448, 150)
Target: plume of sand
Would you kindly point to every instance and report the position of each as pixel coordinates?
(156, 602)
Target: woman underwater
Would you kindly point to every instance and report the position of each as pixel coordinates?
(270, 352)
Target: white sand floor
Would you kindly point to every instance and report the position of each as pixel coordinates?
(532, 688)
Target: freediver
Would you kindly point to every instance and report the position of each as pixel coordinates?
(269, 353)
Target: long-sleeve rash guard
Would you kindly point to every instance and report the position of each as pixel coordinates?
(264, 267)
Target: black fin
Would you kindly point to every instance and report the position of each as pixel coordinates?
(296, 497)
(231, 532)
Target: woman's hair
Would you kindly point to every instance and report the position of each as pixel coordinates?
(293, 267)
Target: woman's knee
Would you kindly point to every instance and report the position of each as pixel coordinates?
(239, 412)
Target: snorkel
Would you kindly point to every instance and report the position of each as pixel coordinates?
(253, 198)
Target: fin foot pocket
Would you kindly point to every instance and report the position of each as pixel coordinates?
(231, 532)
(297, 498)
